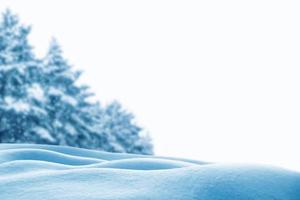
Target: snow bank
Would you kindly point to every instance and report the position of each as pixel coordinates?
(34, 172)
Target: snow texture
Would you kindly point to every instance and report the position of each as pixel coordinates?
(43, 133)
(34, 172)
(36, 92)
(16, 105)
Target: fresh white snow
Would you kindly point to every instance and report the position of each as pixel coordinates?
(66, 98)
(34, 172)
(17, 105)
(21, 106)
(35, 91)
(70, 129)
(44, 133)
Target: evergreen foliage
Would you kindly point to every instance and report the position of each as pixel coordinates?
(41, 101)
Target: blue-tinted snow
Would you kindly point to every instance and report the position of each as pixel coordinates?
(35, 172)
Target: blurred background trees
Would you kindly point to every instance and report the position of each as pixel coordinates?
(42, 102)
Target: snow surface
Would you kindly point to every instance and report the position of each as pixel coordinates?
(66, 98)
(43, 133)
(36, 91)
(34, 172)
(17, 105)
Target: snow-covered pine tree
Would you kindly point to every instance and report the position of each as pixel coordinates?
(19, 112)
(124, 134)
(41, 102)
(14, 47)
(73, 118)
(78, 122)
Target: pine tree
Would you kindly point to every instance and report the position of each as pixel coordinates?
(41, 101)
(124, 134)
(14, 47)
(18, 112)
(73, 121)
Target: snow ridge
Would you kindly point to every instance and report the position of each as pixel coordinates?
(34, 172)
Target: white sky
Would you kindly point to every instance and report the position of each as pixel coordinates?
(214, 81)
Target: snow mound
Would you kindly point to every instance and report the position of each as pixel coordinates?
(34, 172)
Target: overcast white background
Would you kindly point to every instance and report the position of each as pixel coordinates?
(209, 80)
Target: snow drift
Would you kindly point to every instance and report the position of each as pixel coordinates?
(34, 172)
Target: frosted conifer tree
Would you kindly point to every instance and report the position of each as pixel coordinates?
(41, 102)
(125, 136)
(17, 110)
(72, 116)
(14, 47)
